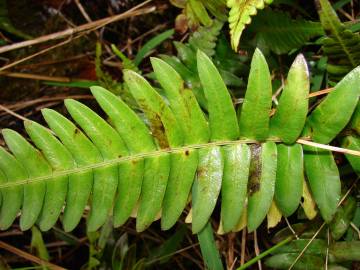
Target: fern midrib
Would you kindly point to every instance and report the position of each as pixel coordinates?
(134, 157)
(300, 140)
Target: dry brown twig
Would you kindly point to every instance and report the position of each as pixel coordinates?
(88, 27)
(40, 77)
(243, 246)
(27, 103)
(257, 249)
(329, 147)
(29, 256)
(13, 113)
(40, 52)
(321, 92)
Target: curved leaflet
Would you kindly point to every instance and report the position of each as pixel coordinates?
(35, 165)
(325, 122)
(352, 142)
(207, 186)
(84, 153)
(12, 197)
(167, 133)
(222, 117)
(290, 115)
(111, 146)
(234, 184)
(60, 159)
(255, 111)
(223, 126)
(127, 123)
(289, 178)
(261, 182)
(323, 176)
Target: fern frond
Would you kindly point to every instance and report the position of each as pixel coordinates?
(341, 45)
(240, 15)
(280, 33)
(155, 164)
(205, 38)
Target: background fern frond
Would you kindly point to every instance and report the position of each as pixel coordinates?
(240, 15)
(280, 33)
(341, 45)
(205, 38)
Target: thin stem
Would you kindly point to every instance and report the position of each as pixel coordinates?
(307, 245)
(164, 152)
(88, 27)
(265, 253)
(257, 250)
(29, 256)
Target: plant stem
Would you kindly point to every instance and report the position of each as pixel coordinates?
(265, 253)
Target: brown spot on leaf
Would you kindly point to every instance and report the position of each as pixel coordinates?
(255, 169)
(156, 125)
(158, 131)
(254, 187)
(76, 132)
(200, 171)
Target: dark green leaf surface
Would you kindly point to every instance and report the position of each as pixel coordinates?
(261, 182)
(290, 115)
(206, 188)
(323, 176)
(325, 121)
(255, 111)
(289, 178)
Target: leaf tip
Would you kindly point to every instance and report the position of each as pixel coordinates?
(48, 113)
(157, 62)
(300, 60)
(258, 54)
(96, 88)
(70, 102)
(6, 132)
(130, 75)
(28, 123)
(201, 55)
